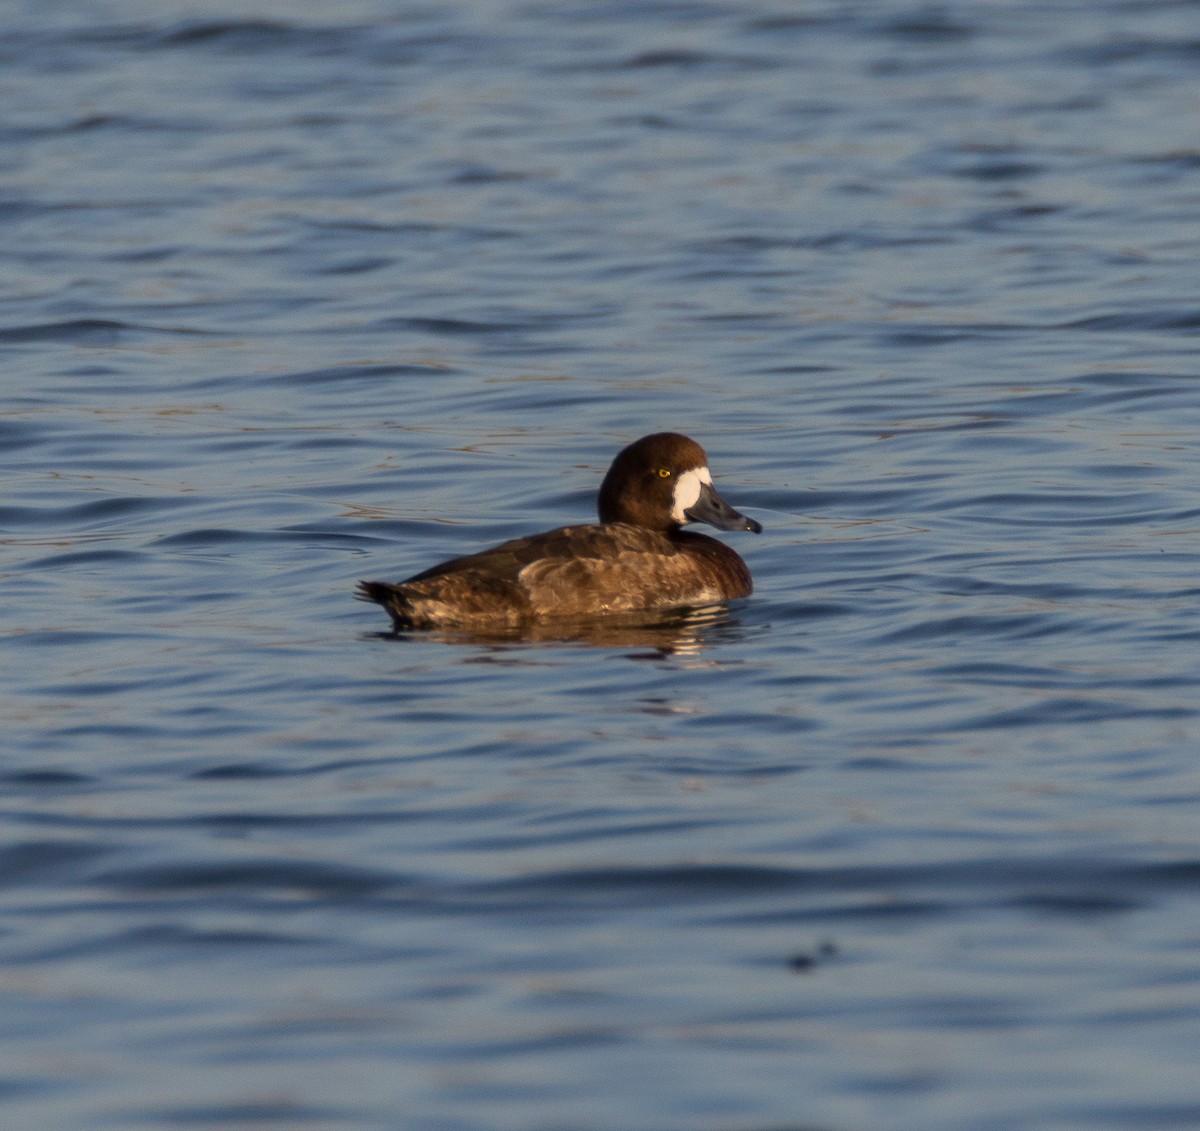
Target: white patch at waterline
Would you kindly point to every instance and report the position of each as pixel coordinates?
(687, 491)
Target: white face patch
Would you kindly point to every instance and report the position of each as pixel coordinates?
(687, 491)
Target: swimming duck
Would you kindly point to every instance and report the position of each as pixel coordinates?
(637, 557)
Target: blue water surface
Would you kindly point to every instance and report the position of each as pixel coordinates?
(300, 294)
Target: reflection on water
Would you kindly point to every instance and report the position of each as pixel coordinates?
(679, 632)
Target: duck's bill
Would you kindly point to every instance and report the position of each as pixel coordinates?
(714, 510)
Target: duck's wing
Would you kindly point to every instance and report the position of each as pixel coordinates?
(505, 562)
(625, 569)
(491, 586)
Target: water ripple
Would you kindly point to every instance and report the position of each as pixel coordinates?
(298, 297)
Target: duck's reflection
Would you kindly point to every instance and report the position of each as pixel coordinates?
(678, 632)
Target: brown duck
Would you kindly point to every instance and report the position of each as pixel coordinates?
(637, 557)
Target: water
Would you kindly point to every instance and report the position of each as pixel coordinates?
(906, 841)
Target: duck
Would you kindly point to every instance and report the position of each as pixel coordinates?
(636, 558)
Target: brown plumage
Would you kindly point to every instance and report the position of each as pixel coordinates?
(636, 558)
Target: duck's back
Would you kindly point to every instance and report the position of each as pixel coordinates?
(574, 571)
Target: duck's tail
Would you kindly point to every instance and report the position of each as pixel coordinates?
(392, 597)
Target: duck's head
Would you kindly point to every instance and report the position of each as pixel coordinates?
(662, 482)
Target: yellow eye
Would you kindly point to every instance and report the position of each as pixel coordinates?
(664, 473)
